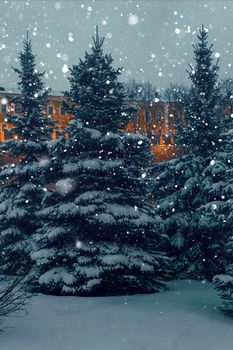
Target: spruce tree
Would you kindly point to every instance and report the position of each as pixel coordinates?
(189, 190)
(23, 179)
(202, 112)
(223, 283)
(99, 235)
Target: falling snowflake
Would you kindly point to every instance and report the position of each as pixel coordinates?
(109, 35)
(133, 20)
(65, 68)
(65, 186)
(57, 5)
(78, 244)
(44, 162)
(4, 101)
(70, 37)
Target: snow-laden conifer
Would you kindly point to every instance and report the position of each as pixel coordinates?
(190, 190)
(99, 234)
(23, 178)
(223, 283)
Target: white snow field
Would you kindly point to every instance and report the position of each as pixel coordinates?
(184, 317)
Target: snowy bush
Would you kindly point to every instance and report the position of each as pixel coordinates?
(13, 297)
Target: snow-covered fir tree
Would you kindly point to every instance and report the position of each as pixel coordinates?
(188, 190)
(201, 133)
(22, 180)
(99, 235)
(224, 282)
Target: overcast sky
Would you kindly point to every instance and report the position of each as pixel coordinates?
(152, 40)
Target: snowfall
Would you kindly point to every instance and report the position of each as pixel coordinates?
(184, 317)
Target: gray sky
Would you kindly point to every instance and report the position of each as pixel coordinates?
(152, 40)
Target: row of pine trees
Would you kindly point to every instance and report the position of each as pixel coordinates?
(88, 214)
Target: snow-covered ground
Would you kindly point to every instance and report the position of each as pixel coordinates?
(183, 318)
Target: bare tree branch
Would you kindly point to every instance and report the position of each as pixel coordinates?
(13, 296)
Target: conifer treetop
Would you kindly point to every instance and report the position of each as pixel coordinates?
(98, 41)
(30, 84)
(96, 96)
(31, 126)
(202, 108)
(205, 73)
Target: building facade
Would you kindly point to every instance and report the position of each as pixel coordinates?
(157, 120)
